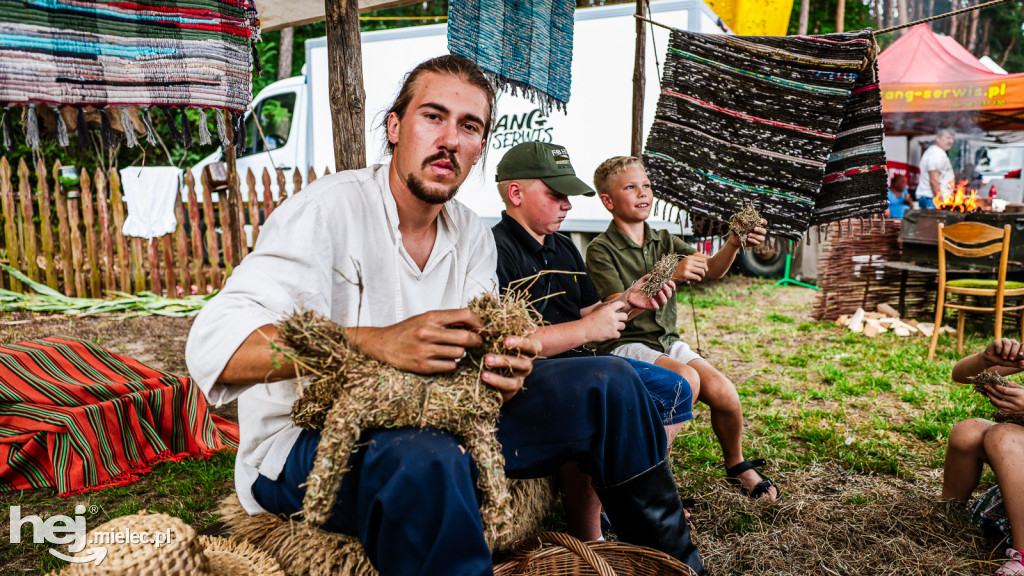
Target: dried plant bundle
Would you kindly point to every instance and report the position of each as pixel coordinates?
(661, 273)
(348, 392)
(996, 379)
(743, 222)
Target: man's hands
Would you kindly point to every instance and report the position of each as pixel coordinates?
(693, 268)
(435, 341)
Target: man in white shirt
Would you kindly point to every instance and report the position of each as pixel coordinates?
(937, 170)
(419, 257)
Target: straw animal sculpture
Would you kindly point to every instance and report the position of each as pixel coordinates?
(349, 392)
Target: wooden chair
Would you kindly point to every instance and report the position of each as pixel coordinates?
(975, 240)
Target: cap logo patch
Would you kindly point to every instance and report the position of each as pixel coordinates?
(561, 156)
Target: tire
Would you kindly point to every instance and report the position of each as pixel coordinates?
(767, 264)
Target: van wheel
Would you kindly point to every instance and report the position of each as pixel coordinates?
(763, 263)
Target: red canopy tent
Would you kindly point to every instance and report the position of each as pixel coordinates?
(928, 81)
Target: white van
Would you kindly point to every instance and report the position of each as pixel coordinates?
(296, 119)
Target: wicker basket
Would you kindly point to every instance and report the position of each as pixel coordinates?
(557, 554)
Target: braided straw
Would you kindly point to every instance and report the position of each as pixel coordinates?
(181, 556)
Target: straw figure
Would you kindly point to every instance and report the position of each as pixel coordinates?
(996, 379)
(348, 392)
(743, 222)
(660, 274)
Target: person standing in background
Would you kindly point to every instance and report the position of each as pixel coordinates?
(936, 170)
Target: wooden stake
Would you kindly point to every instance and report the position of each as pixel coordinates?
(197, 238)
(74, 224)
(345, 84)
(254, 205)
(46, 224)
(181, 240)
(212, 246)
(124, 259)
(64, 235)
(10, 222)
(106, 242)
(89, 219)
(28, 221)
(268, 198)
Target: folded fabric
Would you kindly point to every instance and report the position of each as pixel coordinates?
(150, 193)
(77, 417)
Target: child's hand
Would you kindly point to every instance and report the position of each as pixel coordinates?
(693, 268)
(1009, 398)
(755, 238)
(635, 298)
(1005, 352)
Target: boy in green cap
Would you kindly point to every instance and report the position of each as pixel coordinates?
(629, 248)
(536, 181)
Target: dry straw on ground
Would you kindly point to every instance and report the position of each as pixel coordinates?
(661, 273)
(743, 222)
(834, 523)
(348, 392)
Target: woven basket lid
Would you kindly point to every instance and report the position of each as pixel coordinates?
(184, 553)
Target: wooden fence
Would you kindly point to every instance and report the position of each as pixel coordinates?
(75, 245)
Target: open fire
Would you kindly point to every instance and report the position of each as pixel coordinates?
(960, 199)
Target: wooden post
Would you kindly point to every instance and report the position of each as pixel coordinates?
(89, 220)
(311, 176)
(254, 205)
(282, 193)
(74, 223)
(297, 181)
(197, 238)
(10, 222)
(240, 210)
(840, 15)
(232, 231)
(268, 198)
(106, 242)
(46, 223)
(64, 235)
(227, 214)
(138, 269)
(639, 80)
(171, 281)
(181, 240)
(345, 81)
(212, 246)
(155, 285)
(27, 221)
(124, 261)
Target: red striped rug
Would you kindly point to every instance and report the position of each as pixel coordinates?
(77, 417)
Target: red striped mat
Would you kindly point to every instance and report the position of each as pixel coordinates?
(77, 417)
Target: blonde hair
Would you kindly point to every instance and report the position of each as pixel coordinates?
(611, 167)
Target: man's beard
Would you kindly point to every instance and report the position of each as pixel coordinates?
(419, 188)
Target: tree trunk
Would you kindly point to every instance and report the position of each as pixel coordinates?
(345, 78)
(284, 58)
(931, 8)
(840, 15)
(639, 79)
(972, 32)
(1002, 61)
(901, 17)
(879, 8)
(886, 14)
(805, 11)
(983, 43)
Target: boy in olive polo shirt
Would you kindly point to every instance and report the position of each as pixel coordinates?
(628, 249)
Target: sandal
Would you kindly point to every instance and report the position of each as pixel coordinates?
(1013, 566)
(732, 477)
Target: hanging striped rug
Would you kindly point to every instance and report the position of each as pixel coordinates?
(792, 123)
(77, 417)
(124, 58)
(522, 46)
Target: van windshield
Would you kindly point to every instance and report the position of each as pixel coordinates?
(275, 116)
(1001, 160)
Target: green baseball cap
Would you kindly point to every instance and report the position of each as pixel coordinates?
(547, 162)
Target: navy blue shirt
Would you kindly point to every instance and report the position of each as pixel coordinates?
(521, 256)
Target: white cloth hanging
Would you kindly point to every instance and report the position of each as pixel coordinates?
(150, 192)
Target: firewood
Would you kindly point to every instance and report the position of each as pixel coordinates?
(857, 321)
(888, 310)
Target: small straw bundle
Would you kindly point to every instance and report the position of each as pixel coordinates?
(996, 379)
(660, 274)
(349, 392)
(743, 222)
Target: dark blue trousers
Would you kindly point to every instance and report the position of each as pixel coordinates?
(410, 495)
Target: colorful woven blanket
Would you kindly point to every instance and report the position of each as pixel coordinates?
(793, 124)
(125, 56)
(77, 417)
(521, 45)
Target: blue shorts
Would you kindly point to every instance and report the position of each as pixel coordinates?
(670, 391)
(926, 202)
